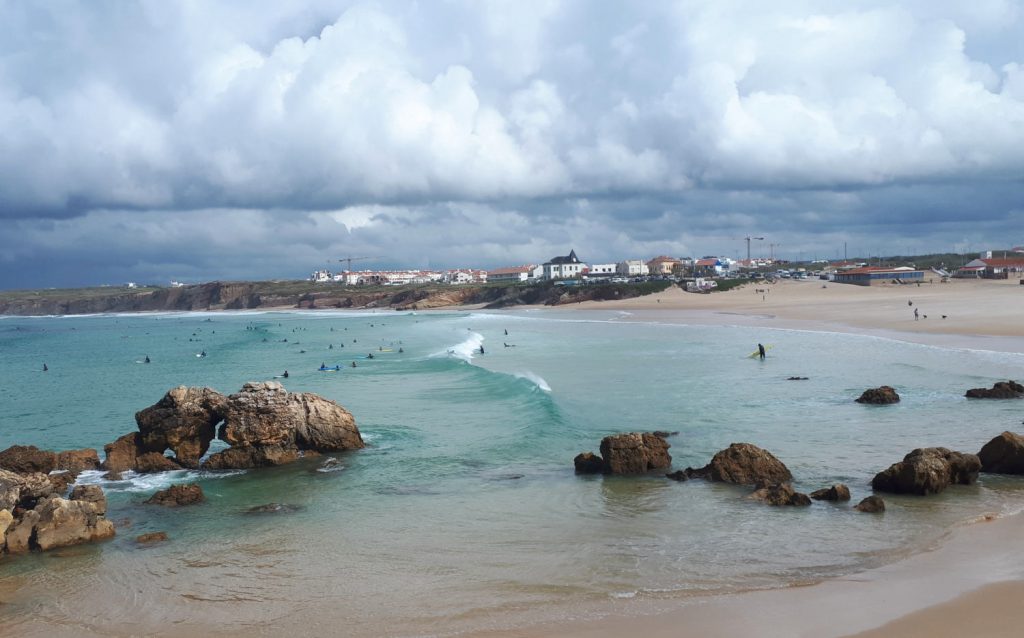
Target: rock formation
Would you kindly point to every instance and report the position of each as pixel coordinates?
(178, 495)
(267, 425)
(630, 453)
(184, 420)
(122, 453)
(1003, 455)
(744, 464)
(1001, 390)
(34, 517)
(872, 505)
(780, 494)
(23, 459)
(928, 471)
(151, 537)
(883, 395)
(837, 492)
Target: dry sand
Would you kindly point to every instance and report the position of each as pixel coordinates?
(970, 586)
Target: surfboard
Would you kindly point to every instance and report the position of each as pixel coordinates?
(757, 353)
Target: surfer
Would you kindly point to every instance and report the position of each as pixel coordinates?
(353, 364)
(146, 360)
(369, 356)
(760, 350)
(400, 350)
(481, 348)
(203, 353)
(506, 332)
(330, 347)
(285, 375)
(45, 368)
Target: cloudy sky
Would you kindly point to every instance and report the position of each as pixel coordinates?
(150, 141)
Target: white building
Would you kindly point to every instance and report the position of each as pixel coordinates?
(632, 268)
(602, 270)
(567, 267)
(515, 274)
(465, 276)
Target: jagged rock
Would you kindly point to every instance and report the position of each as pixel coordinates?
(872, 504)
(1003, 455)
(1001, 390)
(6, 518)
(665, 433)
(151, 537)
(634, 453)
(122, 453)
(61, 481)
(184, 420)
(679, 475)
(24, 459)
(274, 508)
(23, 490)
(19, 534)
(90, 494)
(62, 522)
(780, 494)
(883, 395)
(76, 461)
(588, 463)
(266, 425)
(928, 471)
(154, 462)
(178, 495)
(744, 464)
(837, 492)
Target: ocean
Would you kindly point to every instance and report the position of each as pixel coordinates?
(463, 513)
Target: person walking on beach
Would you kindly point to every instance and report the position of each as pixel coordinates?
(915, 314)
(760, 350)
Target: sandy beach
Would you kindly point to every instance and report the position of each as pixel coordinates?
(968, 586)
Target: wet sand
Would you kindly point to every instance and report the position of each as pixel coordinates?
(969, 586)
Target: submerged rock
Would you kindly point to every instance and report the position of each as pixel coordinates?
(837, 492)
(872, 505)
(780, 494)
(274, 508)
(883, 395)
(928, 471)
(1001, 390)
(150, 538)
(178, 495)
(744, 464)
(1003, 455)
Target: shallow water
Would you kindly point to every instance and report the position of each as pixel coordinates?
(464, 512)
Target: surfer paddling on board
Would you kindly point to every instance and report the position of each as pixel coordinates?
(760, 350)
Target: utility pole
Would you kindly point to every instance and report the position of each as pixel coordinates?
(748, 238)
(771, 251)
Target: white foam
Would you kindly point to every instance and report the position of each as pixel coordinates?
(464, 350)
(534, 378)
(134, 482)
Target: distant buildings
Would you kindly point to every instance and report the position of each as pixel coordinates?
(515, 274)
(632, 268)
(662, 265)
(989, 267)
(869, 275)
(567, 267)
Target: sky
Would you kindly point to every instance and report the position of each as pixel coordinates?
(198, 140)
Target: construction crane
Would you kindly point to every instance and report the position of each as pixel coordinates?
(748, 238)
(348, 261)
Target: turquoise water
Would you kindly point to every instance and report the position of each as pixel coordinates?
(464, 512)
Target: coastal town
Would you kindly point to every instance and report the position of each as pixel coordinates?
(698, 273)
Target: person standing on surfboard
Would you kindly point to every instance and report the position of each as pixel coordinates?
(760, 350)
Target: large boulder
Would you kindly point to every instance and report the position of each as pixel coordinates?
(76, 461)
(872, 505)
(634, 453)
(123, 452)
(64, 522)
(1003, 454)
(6, 518)
(1001, 390)
(588, 463)
(928, 471)
(154, 462)
(184, 420)
(43, 520)
(25, 459)
(90, 494)
(744, 464)
(267, 425)
(24, 490)
(780, 494)
(178, 495)
(882, 395)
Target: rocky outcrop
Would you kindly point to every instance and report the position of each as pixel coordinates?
(837, 492)
(780, 494)
(1001, 390)
(630, 453)
(122, 453)
(883, 395)
(154, 462)
(1003, 455)
(267, 425)
(39, 519)
(184, 421)
(872, 505)
(178, 495)
(928, 471)
(25, 459)
(76, 461)
(744, 464)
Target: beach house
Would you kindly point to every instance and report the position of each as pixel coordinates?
(632, 268)
(515, 274)
(565, 267)
(662, 265)
(870, 275)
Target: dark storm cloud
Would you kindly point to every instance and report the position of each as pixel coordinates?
(156, 140)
